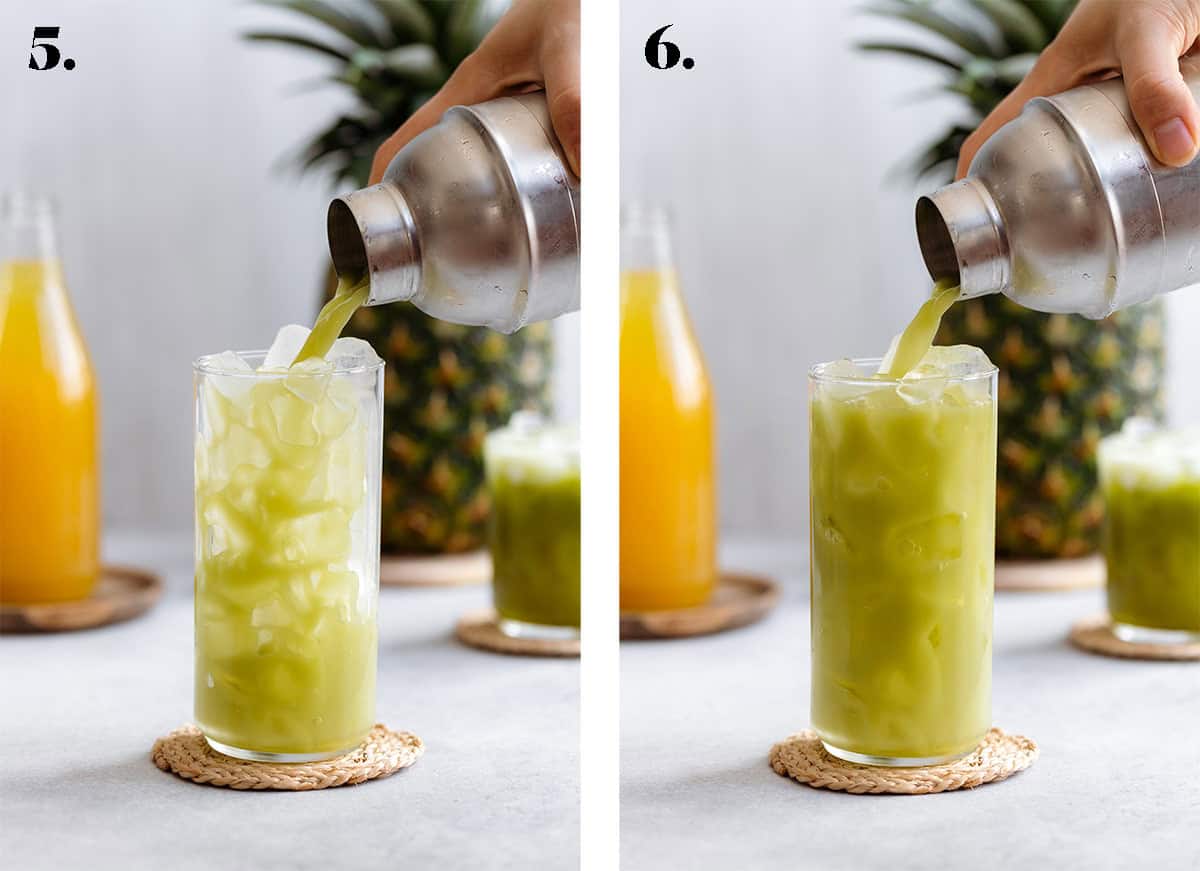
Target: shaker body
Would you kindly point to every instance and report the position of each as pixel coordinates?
(1065, 209)
(476, 220)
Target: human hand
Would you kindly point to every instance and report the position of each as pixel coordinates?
(534, 45)
(1143, 40)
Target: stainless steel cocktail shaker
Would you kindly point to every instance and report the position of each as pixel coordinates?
(476, 220)
(1065, 209)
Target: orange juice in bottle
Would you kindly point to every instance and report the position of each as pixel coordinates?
(668, 487)
(49, 493)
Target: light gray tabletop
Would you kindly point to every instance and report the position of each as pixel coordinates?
(498, 786)
(1117, 784)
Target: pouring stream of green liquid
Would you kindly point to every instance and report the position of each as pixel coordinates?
(918, 335)
(351, 293)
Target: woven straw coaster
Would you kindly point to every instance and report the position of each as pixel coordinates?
(480, 629)
(384, 752)
(1095, 635)
(803, 758)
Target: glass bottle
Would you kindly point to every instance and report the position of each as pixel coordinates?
(49, 487)
(668, 487)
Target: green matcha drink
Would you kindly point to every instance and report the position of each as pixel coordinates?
(1151, 485)
(287, 548)
(903, 478)
(533, 476)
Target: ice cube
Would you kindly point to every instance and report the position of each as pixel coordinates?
(1138, 427)
(293, 418)
(229, 361)
(952, 361)
(309, 380)
(918, 390)
(843, 368)
(1142, 454)
(231, 381)
(948, 362)
(526, 423)
(844, 380)
(351, 353)
(288, 342)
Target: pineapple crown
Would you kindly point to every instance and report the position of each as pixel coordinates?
(392, 55)
(985, 46)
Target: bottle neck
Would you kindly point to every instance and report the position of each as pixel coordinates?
(27, 230)
(646, 244)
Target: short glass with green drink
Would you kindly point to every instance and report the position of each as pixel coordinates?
(287, 481)
(1151, 484)
(533, 476)
(903, 488)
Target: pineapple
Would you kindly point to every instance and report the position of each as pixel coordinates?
(446, 385)
(1065, 381)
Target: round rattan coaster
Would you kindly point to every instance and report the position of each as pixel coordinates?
(1095, 635)
(1081, 573)
(186, 753)
(480, 629)
(803, 758)
(739, 600)
(121, 593)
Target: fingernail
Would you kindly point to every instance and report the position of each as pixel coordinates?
(1174, 140)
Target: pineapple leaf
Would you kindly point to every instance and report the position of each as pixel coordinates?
(408, 21)
(346, 134)
(357, 29)
(1011, 70)
(940, 157)
(1052, 13)
(985, 82)
(299, 42)
(982, 96)
(358, 169)
(418, 65)
(1021, 28)
(467, 25)
(925, 16)
(910, 51)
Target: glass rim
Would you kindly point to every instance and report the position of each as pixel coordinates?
(203, 365)
(816, 373)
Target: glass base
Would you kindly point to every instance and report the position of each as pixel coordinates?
(261, 756)
(538, 631)
(1145, 635)
(889, 761)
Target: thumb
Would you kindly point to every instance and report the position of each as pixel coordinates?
(560, 70)
(1161, 101)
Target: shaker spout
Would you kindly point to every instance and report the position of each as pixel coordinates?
(962, 238)
(371, 233)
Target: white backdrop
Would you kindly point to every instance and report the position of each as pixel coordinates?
(777, 153)
(181, 232)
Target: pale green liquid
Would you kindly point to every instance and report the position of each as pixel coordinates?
(903, 531)
(332, 319)
(285, 612)
(918, 335)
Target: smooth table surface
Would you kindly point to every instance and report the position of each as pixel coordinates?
(498, 786)
(1117, 784)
